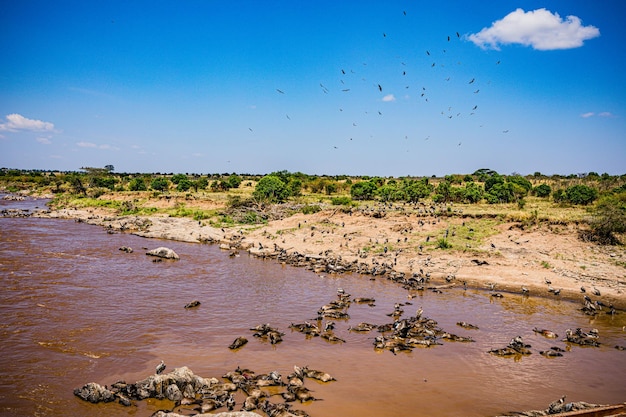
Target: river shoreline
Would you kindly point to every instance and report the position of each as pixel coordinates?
(385, 245)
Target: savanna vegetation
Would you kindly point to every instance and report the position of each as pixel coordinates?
(597, 202)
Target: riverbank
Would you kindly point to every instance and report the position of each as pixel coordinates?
(547, 260)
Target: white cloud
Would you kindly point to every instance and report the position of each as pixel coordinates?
(95, 146)
(539, 28)
(601, 114)
(16, 122)
(44, 141)
(389, 97)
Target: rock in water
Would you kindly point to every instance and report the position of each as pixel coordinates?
(94, 393)
(194, 303)
(163, 252)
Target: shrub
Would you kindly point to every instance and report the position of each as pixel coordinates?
(341, 201)
(184, 185)
(271, 188)
(310, 209)
(581, 194)
(363, 190)
(137, 184)
(608, 219)
(160, 184)
(442, 243)
(178, 178)
(542, 190)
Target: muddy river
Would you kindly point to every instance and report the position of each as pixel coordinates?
(76, 309)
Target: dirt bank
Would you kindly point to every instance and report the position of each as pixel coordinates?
(505, 256)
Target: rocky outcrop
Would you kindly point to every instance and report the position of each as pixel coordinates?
(94, 393)
(163, 252)
(194, 395)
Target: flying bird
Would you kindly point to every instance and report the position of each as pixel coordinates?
(380, 87)
(280, 91)
(427, 53)
(472, 81)
(458, 35)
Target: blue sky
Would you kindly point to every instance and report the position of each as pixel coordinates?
(323, 87)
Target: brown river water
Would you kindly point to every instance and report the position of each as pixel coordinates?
(76, 309)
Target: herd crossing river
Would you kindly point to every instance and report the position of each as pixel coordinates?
(75, 309)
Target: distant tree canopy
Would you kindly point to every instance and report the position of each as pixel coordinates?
(271, 188)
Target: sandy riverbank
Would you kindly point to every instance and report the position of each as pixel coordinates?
(509, 258)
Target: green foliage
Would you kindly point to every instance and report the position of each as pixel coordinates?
(103, 182)
(160, 184)
(520, 181)
(341, 201)
(137, 184)
(363, 190)
(294, 187)
(500, 193)
(234, 181)
(271, 188)
(310, 209)
(178, 178)
(493, 180)
(183, 184)
(542, 190)
(389, 192)
(473, 192)
(442, 243)
(581, 194)
(609, 219)
(200, 184)
(415, 190)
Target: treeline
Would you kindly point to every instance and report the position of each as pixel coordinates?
(484, 185)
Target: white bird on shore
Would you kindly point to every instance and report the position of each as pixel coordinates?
(160, 368)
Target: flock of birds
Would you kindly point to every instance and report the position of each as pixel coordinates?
(414, 67)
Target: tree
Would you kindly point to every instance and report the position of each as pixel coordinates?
(234, 181)
(581, 194)
(415, 190)
(160, 184)
(109, 168)
(178, 178)
(184, 184)
(363, 190)
(609, 219)
(542, 190)
(492, 180)
(137, 184)
(271, 188)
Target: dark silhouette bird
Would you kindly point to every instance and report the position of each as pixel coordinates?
(160, 368)
(458, 35)
(380, 87)
(280, 91)
(427, 53)
(505, 131)
(472, 81)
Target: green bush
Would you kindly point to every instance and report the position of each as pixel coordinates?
(160, 184)
(608, 219)
(341, 201)
(581, 194)
(542, 190)
(137, 184)
(271, 188)
(310, 209)
(363, 190)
